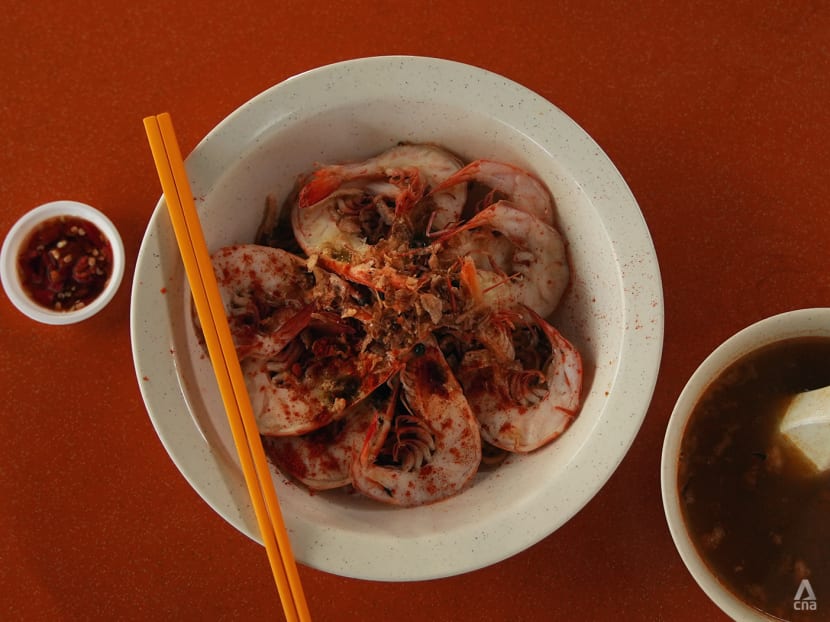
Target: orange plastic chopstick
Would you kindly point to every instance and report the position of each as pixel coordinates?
(211, 312)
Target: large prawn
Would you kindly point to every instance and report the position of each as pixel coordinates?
(512, 258)
(427, 445)
(322, 460)
(327, 368)
(266, 293)
(349, 215)
(508, 182)
(530, 400)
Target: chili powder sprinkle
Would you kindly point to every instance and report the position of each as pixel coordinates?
(65, 263)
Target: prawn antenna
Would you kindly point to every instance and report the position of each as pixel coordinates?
(504, 281)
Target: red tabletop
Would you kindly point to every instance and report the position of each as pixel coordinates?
(715, 113)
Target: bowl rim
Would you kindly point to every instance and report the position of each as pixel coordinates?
(797, 323)
(642, 318)
(18, 234)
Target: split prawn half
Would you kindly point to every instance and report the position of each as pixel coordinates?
(529, 401)
(266, 293)
(510, 258)
(512, 183)
(322, 460)
(344, 211)
(320, 374)
(427, 445)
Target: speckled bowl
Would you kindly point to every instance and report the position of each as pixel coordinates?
(613, 311)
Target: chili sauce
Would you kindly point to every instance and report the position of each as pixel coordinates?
(755, 507)
(65, 263)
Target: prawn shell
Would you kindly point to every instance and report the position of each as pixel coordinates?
(434, 165)
(275, 287)
(317, 226)
(522, 429)
(347, 255)
(322, 459)
(436, 397)
(296, 407)
(520, 260)
(517, 185)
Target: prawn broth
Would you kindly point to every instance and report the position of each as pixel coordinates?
(378, 297)
(754, 506)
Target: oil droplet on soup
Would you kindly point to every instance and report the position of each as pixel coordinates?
(756, 509)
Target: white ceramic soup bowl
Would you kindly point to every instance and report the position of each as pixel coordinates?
(613, 310)
(782, 327)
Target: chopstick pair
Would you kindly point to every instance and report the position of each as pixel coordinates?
(211, 312)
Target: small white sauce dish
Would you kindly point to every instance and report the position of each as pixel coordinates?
(18, 236)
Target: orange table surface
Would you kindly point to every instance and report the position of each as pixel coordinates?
(716, 113)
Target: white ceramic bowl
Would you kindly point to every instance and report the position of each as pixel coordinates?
(18, 235)
(793, 324)
(613, 311)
